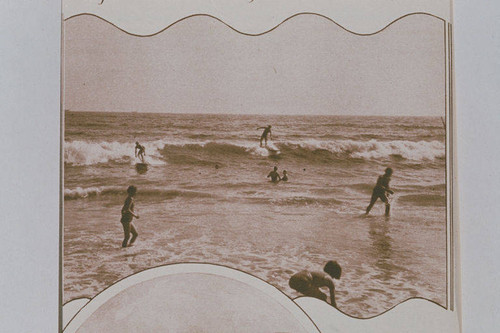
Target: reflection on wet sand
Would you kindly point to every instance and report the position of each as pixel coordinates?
(382, 249)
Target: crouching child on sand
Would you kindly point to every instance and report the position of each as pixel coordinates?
(127, 215)
(308, 283)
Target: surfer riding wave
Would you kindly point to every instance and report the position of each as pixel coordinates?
(140, 151)
(267, 131)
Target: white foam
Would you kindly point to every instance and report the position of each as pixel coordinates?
(90, 153)
(373, 149)
(82, 192)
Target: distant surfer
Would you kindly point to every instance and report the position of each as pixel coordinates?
(127, 215)
(285, 176)
(267, 131)
(140, 151)
(275, 176)
(308, 283)
(380, 191)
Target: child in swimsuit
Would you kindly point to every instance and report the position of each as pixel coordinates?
(308, 283)
(127, 216)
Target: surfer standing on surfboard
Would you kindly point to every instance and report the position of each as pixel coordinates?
(267, 131)
(140, 151)
(308, 283)
(127, 215)
(380, 191)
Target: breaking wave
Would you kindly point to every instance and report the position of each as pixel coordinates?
(158, 152)
(89, 192)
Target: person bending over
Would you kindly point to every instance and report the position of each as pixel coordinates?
(380, 191)
(308, 283)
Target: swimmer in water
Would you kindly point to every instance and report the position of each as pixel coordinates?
(267, 131)
(380, 191)
(140, 151)
(285, 176)
(308, 283)
(275, 176)
(127, 215)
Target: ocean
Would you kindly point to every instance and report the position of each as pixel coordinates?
(205, 198)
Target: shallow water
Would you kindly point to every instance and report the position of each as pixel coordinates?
(191, 211)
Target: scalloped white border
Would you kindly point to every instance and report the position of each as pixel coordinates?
(147, 17)
(259, 285)
(414, 315)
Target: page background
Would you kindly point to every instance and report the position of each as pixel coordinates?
(29, 95)
(29, 131)
(477, 54)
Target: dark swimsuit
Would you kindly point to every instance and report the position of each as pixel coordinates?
(274, 176)
(126, 215)
(380, 189)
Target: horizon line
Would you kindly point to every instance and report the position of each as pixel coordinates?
(251, 114)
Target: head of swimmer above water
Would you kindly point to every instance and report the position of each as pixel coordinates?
(388, 172)
(275, 168)
(333, 269)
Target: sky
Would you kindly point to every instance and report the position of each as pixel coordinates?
(308, 65)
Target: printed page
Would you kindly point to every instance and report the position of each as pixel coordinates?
(283, 166)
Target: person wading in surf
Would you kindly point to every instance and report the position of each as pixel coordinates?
(275, 176)
(127, 216)
(380, 191)
(285, 176)
(267, 131)
(140, 151)
(308, 283)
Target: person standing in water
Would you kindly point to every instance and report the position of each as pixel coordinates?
(285, 176)
(380, 191)
(140, 151)
(275, 176)
(267, 131)
(127, 215)
(308, 283)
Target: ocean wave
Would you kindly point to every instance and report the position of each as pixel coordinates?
(293, 201)
(91, 153)
(374, 149)
(89, 192)
(80, 192)
(424, 199)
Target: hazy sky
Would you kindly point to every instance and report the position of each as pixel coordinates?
(308, 65)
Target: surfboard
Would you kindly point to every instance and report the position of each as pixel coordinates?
(141, 167)
(272, 149)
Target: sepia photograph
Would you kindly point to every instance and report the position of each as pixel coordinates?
(309, 156)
